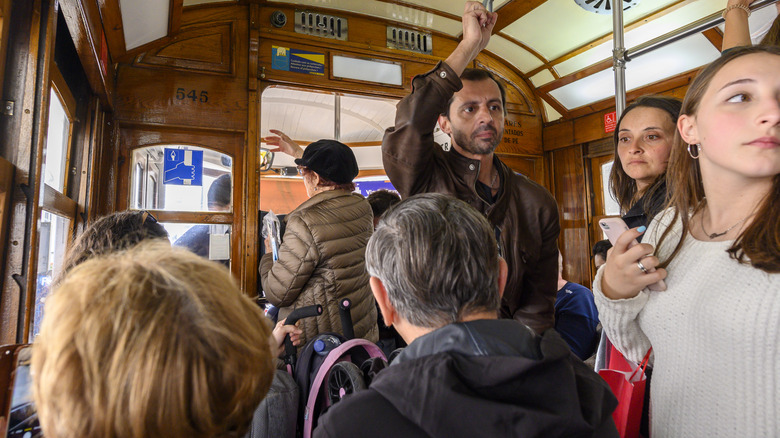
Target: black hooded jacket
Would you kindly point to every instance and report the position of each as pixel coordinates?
(491, 378)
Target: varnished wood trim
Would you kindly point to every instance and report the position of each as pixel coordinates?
(62, 90)
(513, 10)
(113, 27)
(58, 203)
(528, 49)
(69, 104)
(184, 217)
(681, 80)
(17, 147)
(5, 25)
(49, 17)
(6, 192)
(174, 17)
(715, 37)
(88, 48)
(568, 79)
(553, 102)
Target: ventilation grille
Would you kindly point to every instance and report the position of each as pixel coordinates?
(409, 40)
(604, 6)
(321, 25)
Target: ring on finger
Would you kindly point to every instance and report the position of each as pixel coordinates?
(641, 267)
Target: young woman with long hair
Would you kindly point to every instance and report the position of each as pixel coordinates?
(715, 330)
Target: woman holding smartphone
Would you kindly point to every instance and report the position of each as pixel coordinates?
(715, 330)
(643, 140)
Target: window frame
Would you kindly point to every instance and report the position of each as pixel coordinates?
(52, 200)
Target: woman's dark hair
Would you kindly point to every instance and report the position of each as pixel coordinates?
(324, 182)
(115, 232)
(622, 186)
(759, 243)
(381, 200)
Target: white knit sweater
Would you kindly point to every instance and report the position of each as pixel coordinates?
(715, 333)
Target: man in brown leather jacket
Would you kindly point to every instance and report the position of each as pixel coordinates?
(469, 105)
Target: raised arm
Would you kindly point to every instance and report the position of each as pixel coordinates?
(478, 24)
(408, 147)
(737, 31)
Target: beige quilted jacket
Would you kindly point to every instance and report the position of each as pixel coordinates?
(322, 260)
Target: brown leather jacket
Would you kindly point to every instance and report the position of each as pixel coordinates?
(525, 213)
(322, 260)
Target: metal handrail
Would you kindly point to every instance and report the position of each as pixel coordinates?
(696, 27)
(620, 55)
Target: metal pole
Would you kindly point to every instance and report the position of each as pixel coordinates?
(618, 57)
(337, 118)
(696, 27)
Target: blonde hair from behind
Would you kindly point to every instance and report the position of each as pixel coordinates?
(150, 342)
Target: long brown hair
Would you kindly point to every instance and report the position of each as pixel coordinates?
(772, 37)
(759, 243)
(620, 184)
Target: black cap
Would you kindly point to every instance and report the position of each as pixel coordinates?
(331, 160)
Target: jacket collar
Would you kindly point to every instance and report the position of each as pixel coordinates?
(322, 197)
(468, 169)
(484, 337)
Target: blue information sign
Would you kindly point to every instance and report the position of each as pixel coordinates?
(183, 167)
(312, 63)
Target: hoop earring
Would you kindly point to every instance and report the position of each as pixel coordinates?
(690, 150)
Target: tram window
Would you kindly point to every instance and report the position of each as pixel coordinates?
(307, 116)
(211, 241)
(57, 140)
(53, 233)
(179, 191)
(364, 119)
(611, 207)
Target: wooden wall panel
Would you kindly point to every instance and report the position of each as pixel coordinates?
(570, 190)
(205, 47)
(532, 167)
(522, 135)
(363, 32)
(174, 86)
(557, 136)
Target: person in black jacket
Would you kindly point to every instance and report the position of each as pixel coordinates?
(437, 276)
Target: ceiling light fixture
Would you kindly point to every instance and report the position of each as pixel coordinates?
(604, 6)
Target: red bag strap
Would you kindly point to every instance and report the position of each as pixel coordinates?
(642, 365)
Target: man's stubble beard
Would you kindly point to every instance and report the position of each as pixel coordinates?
(474, 146)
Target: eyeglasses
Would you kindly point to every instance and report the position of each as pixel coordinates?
(300, 170)
(146, 216)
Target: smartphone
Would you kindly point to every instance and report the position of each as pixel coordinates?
(613, 227)
(22, 415)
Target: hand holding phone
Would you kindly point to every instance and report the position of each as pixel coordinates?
(613, 227)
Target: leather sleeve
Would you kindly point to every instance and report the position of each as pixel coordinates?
(408, 146)
(540, 283)
(298, 257)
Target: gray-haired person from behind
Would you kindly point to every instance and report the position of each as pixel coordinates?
(438, 279)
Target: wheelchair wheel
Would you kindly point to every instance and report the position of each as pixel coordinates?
(344, 378)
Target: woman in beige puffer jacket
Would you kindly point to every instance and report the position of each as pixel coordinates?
(322, 255)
